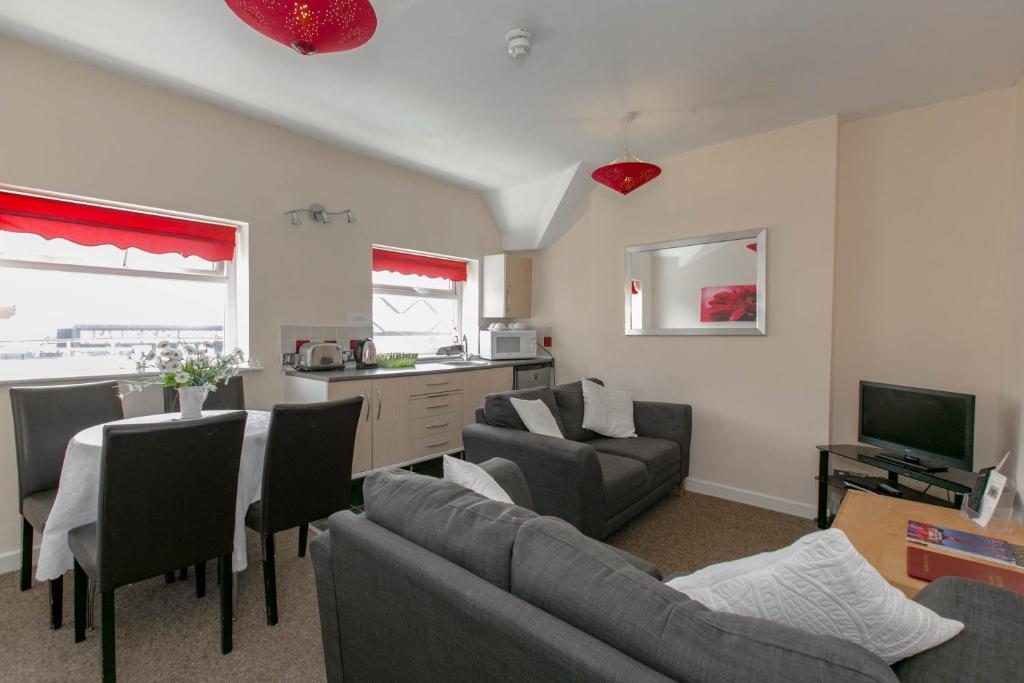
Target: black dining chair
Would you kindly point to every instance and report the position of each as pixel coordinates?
(167, 500)
(229, 395)
(307, 475)
(45, 420)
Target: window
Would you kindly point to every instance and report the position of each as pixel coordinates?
(414, 312)
(68, 308)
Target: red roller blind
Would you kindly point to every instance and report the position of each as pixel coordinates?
(91, 225)
(415, 264)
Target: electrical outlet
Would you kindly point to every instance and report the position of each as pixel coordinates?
(547, 342)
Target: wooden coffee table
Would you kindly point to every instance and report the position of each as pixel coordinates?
(877, 527)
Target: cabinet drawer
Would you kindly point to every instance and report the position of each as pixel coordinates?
(435, 384)
(432, 405)
(436, 425)
(435, 443)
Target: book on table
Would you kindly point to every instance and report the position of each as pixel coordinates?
(966, 543)
(927, 565)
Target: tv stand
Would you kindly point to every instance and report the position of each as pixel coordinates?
(911, 463)
(957, 482)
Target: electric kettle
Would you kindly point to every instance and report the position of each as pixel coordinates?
(366, 354)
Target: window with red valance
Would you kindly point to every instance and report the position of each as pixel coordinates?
(385, 260)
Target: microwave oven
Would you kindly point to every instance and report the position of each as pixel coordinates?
(508, 344)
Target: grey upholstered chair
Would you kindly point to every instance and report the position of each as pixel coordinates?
(307, 475)
(45, 420)
(230, 395)
(167, 500)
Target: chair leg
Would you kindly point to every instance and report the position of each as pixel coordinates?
(81, 601)
(26, 554)
(269, 579)
(227, 612)
(201, 580)
(169, 577)
(303, 537)
(56, 602)
(107, 636)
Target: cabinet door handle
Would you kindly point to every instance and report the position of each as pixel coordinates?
(367, 404)
(445, 424)
(443, 443)
(379, 401)
(437, 384)
(439, 405)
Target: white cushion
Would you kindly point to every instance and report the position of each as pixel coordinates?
(822, 585)
(474, 478)
(607, 411)
(537, 417)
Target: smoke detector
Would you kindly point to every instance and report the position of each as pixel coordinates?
(518, 43)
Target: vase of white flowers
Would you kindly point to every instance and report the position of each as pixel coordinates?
(193, 369)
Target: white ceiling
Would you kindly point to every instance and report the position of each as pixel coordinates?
(435, 91)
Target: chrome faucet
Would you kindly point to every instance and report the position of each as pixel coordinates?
(466, 355)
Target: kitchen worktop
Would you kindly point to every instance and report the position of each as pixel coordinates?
(421, 369)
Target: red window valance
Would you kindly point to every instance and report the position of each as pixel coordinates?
(415, 264)
(91, 225)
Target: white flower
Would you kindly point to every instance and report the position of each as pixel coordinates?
(163, 345)
(190, 349)
(150, 355)
(182, 378)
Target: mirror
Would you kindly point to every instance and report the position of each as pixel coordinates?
(703, 285)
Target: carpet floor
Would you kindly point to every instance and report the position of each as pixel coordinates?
(165, 633)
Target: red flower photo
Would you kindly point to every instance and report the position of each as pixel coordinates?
(728, 304)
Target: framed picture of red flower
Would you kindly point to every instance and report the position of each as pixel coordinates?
(734, 303)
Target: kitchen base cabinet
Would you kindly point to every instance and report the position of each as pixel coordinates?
(390, 421)
(301, 390)
(478, 384)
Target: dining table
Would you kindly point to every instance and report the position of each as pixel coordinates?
(77, 500)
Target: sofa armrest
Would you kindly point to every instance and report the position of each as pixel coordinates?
(330, 626)
(510, 479)
(564, 476)
(670, 421)
(639, 563)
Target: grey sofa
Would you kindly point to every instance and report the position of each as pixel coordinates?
(436, 583)
(595, 483)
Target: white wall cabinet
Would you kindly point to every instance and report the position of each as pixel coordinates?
(507, 286)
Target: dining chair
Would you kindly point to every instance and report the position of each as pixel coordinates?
(45, 420)
(230, 395)
(167, 499)
(307, 475)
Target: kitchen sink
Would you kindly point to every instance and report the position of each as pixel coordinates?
(464, 363)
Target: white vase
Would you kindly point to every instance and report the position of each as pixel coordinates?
(191, 400)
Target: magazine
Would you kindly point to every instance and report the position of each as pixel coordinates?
(966, 543)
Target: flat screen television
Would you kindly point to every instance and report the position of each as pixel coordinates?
(935, 426)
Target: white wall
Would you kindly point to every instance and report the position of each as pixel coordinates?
(760, 403)
(72, 128)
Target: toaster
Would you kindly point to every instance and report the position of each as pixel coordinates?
(319, 356)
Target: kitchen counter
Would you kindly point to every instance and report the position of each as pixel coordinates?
(426, 368)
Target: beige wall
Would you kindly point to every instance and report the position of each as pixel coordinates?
(72, 128)
(760, 403)
(921, 234)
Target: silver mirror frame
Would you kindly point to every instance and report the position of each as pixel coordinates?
(760, 328)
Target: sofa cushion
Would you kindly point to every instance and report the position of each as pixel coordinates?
(582, 582)
(499, 412)
(624, 480)
(660, 456)
(993, 619)
(569, 398)
(459, 525)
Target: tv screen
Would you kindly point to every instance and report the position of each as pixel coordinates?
(935, 426)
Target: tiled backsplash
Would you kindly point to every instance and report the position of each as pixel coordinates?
(290, 334)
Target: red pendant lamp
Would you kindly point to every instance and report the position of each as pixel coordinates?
(310, 26)
(626, 173)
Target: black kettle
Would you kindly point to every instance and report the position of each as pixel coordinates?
(366, 354)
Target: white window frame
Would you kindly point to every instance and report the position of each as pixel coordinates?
(234, 273)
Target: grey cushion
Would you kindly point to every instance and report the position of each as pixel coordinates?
(570, 409)
(36, 508)
(659, 456)
(589, 586)
(461, 526)
(83, 543)
(988, 649)
(499, 411)
(330, 621)
(510, 479)
(624, 481)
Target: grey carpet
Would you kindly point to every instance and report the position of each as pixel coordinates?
(165, 633)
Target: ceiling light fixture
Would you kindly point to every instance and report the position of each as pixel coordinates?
(626, 173)
(518, 40)
(310, 26)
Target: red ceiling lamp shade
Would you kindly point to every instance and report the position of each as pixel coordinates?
(310, 26)
(627, 173)
(418, 264)
(91, 225)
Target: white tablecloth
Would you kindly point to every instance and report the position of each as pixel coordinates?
(77, 500)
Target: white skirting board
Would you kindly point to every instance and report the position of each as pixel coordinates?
(11, 560)
(790, 507)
